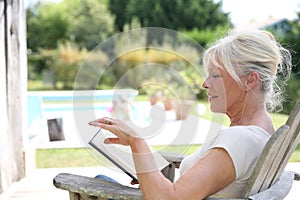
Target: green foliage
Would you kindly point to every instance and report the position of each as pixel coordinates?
(89, 22)
(207, 35)
(86, 22)
(68, 59)
(292, 94)
(40, 61)
(116, 7)
(288, 36)
(292, 42)
(179, 14)
(46, 25)
(51, 25)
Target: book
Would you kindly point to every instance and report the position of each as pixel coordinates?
(120, 155)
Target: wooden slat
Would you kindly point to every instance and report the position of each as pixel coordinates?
(285, 151)
(90, 188)
(273, 168)
(294, 123)
(266, 159)
(276, 154)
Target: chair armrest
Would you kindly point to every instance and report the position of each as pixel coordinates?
(277, 191)
(173, 157)
(81, 187)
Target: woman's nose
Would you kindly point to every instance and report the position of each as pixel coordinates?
(205, 84)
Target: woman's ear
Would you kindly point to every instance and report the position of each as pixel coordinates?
(251, 80)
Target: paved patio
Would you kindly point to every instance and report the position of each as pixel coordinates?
(39, 185)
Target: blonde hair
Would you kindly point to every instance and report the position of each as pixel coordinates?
(242, 52)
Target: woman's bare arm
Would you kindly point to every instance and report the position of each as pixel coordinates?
(207, 176)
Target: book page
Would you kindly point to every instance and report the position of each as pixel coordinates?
(121, 155)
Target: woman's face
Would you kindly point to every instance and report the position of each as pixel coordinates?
(224, 93)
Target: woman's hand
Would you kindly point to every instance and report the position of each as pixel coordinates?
(125, 134)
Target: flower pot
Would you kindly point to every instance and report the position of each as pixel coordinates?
(153, 99)
(182, 108)
(167, 104)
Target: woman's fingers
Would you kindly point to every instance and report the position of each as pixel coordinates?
(105, 123)
(121, 130)
(105, 120)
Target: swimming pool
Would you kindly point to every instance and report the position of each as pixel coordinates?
(44, 105)
(49, 105)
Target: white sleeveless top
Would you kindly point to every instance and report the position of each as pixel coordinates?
(244, 145)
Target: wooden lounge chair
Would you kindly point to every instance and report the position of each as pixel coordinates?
(268, 181)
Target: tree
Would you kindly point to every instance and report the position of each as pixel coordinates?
(172, 14)
(46, 25)
(291, 41)
(86, 22)
(117, 8)
(89, 22)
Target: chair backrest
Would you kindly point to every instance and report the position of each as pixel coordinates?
(276, 154)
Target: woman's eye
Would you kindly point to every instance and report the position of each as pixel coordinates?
(216, 75)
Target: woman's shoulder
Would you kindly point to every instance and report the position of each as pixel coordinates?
(244, 144)
(250, 135)
(251, 130)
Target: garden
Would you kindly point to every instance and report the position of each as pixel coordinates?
(72, 47)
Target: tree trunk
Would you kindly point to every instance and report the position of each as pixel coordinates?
(13, 87)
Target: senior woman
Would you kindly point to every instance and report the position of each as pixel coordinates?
(242, 71)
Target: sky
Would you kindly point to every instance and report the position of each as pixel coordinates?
(243, 11)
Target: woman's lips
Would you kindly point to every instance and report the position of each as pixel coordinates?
(210, 97)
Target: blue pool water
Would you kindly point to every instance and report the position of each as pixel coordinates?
(41, 108)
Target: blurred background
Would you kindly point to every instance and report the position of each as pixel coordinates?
(63, 37)
(61, 33)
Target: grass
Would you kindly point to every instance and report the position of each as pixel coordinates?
(296, 155)
(81, 157)
(60, 158)
(38, 85)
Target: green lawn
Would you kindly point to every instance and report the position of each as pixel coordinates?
(59, 158)
(81, 157)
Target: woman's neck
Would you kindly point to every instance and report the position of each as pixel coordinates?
(246, 114)
(252, 115)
